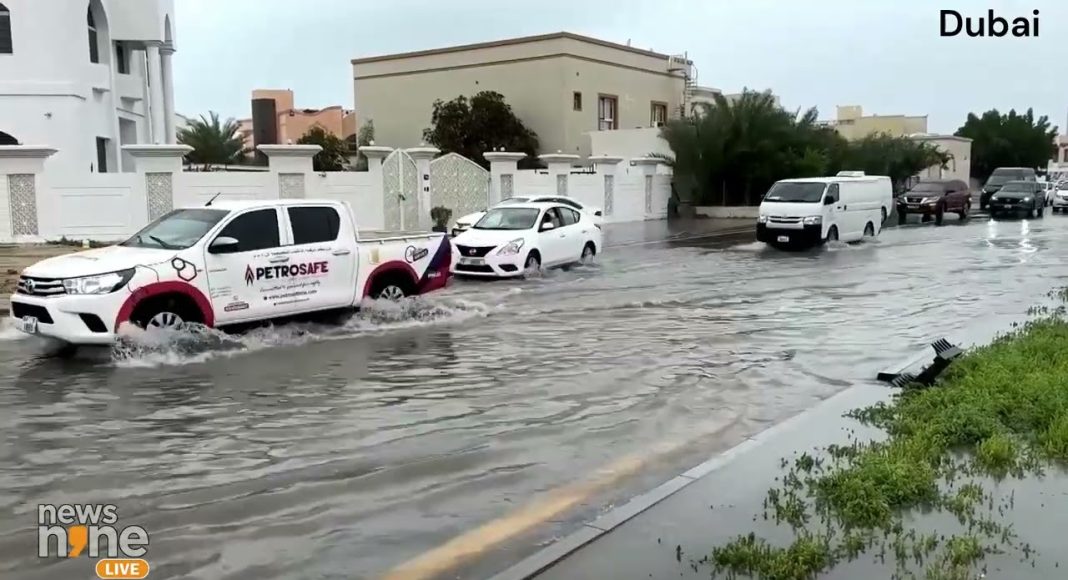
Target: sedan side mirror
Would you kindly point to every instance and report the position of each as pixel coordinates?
(548, 226)
(224, 245)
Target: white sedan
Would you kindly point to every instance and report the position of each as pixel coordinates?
(516, 239)
(464, 223)
(1060, 199)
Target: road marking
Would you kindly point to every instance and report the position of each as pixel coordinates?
(470, 544)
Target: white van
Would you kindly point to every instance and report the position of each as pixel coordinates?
(811, 211)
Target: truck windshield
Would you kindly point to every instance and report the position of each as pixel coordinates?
(509, 218)
(796, 192)
(177, 229)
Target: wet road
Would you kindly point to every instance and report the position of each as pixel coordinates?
(318, 452)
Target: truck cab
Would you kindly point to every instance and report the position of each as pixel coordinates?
(226, 264)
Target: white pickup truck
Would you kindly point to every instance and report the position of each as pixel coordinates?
(224, 264)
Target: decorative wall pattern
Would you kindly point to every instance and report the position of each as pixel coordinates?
(459, 184)
(507, 186)
(648, 194)
(401, 190)
(22, 192)
(561, 184)
(160, 193)
(291, 185)
(609, 193)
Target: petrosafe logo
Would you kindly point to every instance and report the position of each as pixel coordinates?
(71, 530)
(250, 276)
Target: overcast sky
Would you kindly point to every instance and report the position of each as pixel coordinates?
(885, 55)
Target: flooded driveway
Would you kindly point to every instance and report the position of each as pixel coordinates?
(322, 452)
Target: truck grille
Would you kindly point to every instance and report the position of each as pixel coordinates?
(1008, 200)
(40, 286)
(913, 199)
(474, 251)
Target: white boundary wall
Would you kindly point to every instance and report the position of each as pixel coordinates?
(38, 205)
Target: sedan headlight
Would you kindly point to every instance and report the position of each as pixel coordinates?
(1027, 199)
(762, 219)
(98, 284)
(511, 248)
(813, 220)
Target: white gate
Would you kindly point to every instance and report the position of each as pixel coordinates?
(459, 184)
(401, 188)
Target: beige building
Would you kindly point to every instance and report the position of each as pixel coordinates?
(960, 148)
(853, 124)
(560, 85)
(281, 122)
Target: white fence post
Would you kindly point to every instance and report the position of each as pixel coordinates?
(422, 156)
(648, 169)
(157, 166)
(560, 168)
(607, 165)
(503, 166)
(20, 170)
(292, 164)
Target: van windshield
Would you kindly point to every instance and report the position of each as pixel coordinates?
(796, 192)
(176, 230)
(1003, 176)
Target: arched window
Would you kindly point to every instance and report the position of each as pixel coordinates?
(94, 46)
(6, 139)
(5, 31)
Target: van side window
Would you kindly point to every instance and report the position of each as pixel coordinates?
(832, 192)
(255, 230)
(314, 224)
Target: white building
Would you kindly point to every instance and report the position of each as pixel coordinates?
(86, 77)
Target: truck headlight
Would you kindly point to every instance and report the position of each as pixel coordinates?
(98, 284)
(511, 248)
(762, 219)
(813, 220)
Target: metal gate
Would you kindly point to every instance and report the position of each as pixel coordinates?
(401, 188)
(459, 184)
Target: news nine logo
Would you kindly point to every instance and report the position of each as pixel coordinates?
(71, 530)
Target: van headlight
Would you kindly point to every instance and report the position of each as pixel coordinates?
(813, 220)
(762, 219)
(511, 248)
(98, 284)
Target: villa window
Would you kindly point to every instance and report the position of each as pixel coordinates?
(576, 101)
(94, 47)
(5, 31)
(658, 114)
(607, 113)
(122, 61)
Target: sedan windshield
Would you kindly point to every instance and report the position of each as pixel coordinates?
(1019, 186)
(509, 218)
(177, 229)
(797, 192)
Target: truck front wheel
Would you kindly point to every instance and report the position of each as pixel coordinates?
(165, 312)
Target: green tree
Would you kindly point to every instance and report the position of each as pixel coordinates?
(731, 151)
(335, 150)
(483, 123)
(1012, 140)
(365, 136)
(213, 142)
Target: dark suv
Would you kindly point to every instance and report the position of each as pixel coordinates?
(1000, 177)
(935, 198)
(1027, 197)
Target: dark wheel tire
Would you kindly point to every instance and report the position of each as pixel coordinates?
(390, 290)
(832, 234)
(165, 312)
(588, 252)
(884, 215)
(1042, 211)
(964, 212)
(869, 231)
(532, 266)
(902, 218)
(939, 217)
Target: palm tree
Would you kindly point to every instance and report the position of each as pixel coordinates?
(213, 142)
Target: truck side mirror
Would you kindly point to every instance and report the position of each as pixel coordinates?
(828, 200)
(224, 245)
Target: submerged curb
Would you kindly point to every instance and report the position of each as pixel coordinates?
(549, 556)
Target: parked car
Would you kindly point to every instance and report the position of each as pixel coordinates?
(520, 238)
(1015, 197)
(464, 223)
(1060, 199)
(228, 264)
(1000, 177)
(935, 198)
(807, 212)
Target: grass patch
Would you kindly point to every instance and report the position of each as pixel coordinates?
(999, 411)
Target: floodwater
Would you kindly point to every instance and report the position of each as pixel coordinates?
(342, 452)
